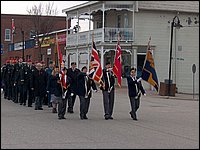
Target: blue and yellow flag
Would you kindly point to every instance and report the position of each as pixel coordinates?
(148, 71)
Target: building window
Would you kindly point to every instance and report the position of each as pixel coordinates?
(7, 35)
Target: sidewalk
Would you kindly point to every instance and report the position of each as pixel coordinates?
(178, 96)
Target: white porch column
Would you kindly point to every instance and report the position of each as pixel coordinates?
(102, 57)
(89, 49)
(134, 58)
(77, 55)
(103, 23)
(66, 51)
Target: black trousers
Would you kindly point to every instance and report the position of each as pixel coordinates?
(62, 107)
(84, 105)
(135, 104)
(108, 102)
(71, 102)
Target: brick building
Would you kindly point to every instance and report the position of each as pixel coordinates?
(11, 44)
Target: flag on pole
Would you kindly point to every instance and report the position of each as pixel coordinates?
(148, 71)
(58, 52)
(13, 26)
(95, 70)
(13, 30)
(117, 68)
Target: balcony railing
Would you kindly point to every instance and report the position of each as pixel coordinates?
(110, 34)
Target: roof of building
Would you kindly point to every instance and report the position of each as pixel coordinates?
(180, 6)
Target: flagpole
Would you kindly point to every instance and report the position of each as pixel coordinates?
(147, 51)
(12, 31)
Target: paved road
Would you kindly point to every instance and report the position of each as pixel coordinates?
(162, 124)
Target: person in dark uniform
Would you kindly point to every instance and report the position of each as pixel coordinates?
(62, 103)
(72, 74)
(108, 91)
(7, 81)
(39, 84)
(17, 67)
(13, 80)
(23, 82)
(49, 71)
(84, 90)
(30, 92)
(135, 89)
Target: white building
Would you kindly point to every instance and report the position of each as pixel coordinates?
(136, 21)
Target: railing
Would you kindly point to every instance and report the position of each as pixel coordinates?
(110, 34)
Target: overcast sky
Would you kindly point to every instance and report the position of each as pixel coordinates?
(20, 7)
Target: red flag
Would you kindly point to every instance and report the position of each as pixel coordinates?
(95, 71)
(13, 26)
(63, 79)
(117, 68)
(59, 53)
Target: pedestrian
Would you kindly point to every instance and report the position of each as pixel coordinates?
(72, 74)
(62, 103)
(54, 88)
(39, 84)
(135, 89)
(49, 71)
(84, 90)
(108, 91)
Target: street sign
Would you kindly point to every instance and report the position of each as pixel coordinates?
(193, 68)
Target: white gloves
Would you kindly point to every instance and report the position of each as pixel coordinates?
(145, 94)
(138, 80)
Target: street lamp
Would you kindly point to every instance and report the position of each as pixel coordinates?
(175, 23)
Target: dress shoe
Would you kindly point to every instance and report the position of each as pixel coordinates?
(106, 118)
(20, 103)
(63, 117)
(70, 111)
(29, 105)
(85, 117)
(40, 108)
(59, 118)
(24, 104)
(111, 118)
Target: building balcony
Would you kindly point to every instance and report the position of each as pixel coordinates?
(110, 35)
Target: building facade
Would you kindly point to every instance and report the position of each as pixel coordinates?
(12, 44)
(135, 22)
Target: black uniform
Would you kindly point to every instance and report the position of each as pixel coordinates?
(17, 67)
(108, 93)
(84, 91)
(72, 74)
(23, 82)
(39, 85)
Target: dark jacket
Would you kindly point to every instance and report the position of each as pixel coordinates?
(105, 80)
(73, 76)
(81, 89)
(53, 86)
(39, 82)
(134, 87)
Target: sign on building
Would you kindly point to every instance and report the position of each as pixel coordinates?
(49, 51)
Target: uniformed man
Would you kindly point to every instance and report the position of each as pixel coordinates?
(108, 91)
(84, 90)
(39, 84)
(72, 74)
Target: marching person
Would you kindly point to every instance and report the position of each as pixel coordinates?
(84, 90)
(49, 71)
(65, 83)
(108, 91)
(54, 88)
(72, 74)
(135, 89)
(39, 84)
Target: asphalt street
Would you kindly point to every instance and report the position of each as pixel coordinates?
(162, 124)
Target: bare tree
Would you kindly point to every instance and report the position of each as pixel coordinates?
(43, 19)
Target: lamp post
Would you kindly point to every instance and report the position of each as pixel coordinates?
(22, 44)
(175, 23)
